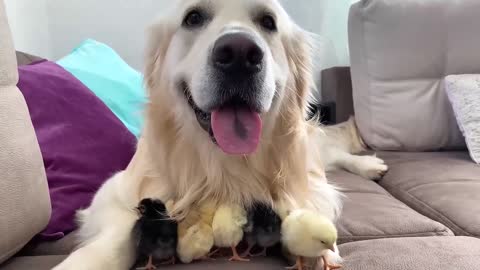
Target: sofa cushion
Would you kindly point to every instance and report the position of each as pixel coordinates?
(82, 142)
(444, 186)
(464, 94)
(32, 263)
(24, 201)
(26, 59)
(400, 52)
(117, 84)
(370, 212)
(267, 263)
(425, 253)
(63, 246)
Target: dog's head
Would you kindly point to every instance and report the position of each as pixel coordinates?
(231, 66)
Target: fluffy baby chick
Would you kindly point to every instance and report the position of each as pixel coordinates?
(196, 243)
(155, 233)
(195, 233)
(307, 234)
(228, 224)
(263, 228)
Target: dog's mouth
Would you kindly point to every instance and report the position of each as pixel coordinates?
(203, 118)
(233, 126)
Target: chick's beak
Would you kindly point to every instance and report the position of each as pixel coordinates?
(332, 248)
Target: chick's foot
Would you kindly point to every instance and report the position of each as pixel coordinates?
(172, 261)
(236, 257)
(298, 265)
(207, 258)
(214, 252)
(247, 252)
(149, 266)
(327, 266)
(262, 253)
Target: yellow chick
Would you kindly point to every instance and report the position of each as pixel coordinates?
(227, 225)
(196, 243)
(306, 234)
(195, 234)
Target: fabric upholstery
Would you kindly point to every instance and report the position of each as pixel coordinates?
(370, 212)
(425, 253)
(32, 263)
(464, 94)
(400, 52)
(24, 201)
(444, 186)
(82, 142)
(117, 84)
(268, 263)
(26, 59)
(48, 262)
(337, 88)
(63, 246)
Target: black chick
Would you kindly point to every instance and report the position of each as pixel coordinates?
(263, 228)
(155, 233)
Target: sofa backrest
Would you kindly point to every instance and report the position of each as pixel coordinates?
(24, 199)
(401, 50)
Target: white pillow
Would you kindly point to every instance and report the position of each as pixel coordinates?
(464, 93)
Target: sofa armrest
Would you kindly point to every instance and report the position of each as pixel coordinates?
(24, 199)
(337, 89)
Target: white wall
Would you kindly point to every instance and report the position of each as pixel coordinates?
(28, 20)
(328, 19)
(52, 28)
(119, 23)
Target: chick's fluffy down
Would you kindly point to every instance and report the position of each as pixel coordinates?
(228, 224)
(196, 243)
(303, 232)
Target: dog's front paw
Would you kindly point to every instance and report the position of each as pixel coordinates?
(371, 167)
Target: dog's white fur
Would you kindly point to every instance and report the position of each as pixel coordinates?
(176, 159)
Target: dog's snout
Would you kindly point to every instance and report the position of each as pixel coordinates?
(237, 53)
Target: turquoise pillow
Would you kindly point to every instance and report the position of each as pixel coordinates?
(106, 74)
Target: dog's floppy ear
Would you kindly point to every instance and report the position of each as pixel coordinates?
(158, 41)
(289, 158)
(299, 51)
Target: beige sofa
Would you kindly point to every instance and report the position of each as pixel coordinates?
(425, 213)
(24, 198)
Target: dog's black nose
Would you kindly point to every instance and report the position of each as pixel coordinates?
(237, 54)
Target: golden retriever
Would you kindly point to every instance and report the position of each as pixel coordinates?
(228, 84)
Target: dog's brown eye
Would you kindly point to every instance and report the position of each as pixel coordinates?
(268, 22)
(194, 19)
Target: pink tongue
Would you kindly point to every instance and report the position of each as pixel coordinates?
(237, 130)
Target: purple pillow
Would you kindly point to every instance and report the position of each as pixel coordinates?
(82, 142)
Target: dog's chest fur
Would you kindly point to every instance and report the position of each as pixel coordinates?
(190, 169)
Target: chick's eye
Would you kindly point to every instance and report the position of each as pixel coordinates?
(268, 22)
(194, 19)
(323, 242)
